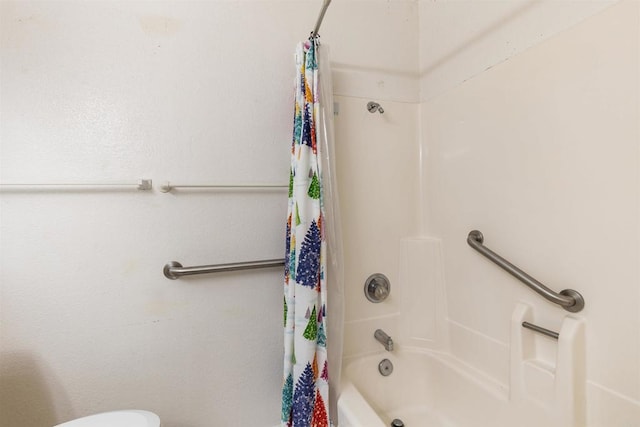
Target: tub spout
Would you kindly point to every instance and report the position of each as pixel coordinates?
(384, 339)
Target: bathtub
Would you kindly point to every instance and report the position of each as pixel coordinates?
(429, 389)
(434, 389)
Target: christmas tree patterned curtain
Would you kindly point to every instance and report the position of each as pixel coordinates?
(305, 393)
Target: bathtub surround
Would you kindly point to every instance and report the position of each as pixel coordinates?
(560, 387)
(550, 141)
(533, 139)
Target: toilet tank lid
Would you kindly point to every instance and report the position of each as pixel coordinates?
(128, 418)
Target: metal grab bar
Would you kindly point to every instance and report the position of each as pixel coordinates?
(174, 270)
(569, 299)
(167, 187)
(142, 184)
(541, 330)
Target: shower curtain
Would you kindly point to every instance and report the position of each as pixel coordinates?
(313, 308)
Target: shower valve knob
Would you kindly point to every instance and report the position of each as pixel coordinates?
(377, 287)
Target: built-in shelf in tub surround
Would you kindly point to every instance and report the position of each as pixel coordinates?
(558, 390)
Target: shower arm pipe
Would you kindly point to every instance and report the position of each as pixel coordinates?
(325, 6)
(568, 299)
(174, 270)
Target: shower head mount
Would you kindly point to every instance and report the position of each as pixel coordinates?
(374, 106)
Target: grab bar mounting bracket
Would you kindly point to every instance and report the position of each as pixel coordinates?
(578, 305)
(168, 273)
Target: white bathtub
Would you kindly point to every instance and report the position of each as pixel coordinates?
(433, 389)
(428, 389)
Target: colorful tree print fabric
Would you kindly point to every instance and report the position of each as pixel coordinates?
(306, 379)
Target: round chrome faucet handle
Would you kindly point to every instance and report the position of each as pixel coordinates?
(377, 287)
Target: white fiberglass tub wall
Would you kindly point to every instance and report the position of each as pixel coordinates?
(430, 388)
(541, 153)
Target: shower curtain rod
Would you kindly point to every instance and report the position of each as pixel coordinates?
(325, 5)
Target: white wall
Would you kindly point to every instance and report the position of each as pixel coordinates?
(99, 92)
(460, 39)
(182, 91)
(541, 154)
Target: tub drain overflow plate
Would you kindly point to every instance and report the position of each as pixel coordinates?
(385, 367)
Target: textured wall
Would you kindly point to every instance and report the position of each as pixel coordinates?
(186, 92)
(100, 92)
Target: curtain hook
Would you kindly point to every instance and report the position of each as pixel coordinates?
(314, 38)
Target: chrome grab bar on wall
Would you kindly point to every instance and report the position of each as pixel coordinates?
(569, 299)
(141, 184)
(174, 270)
(167, 187)
(541, 330)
